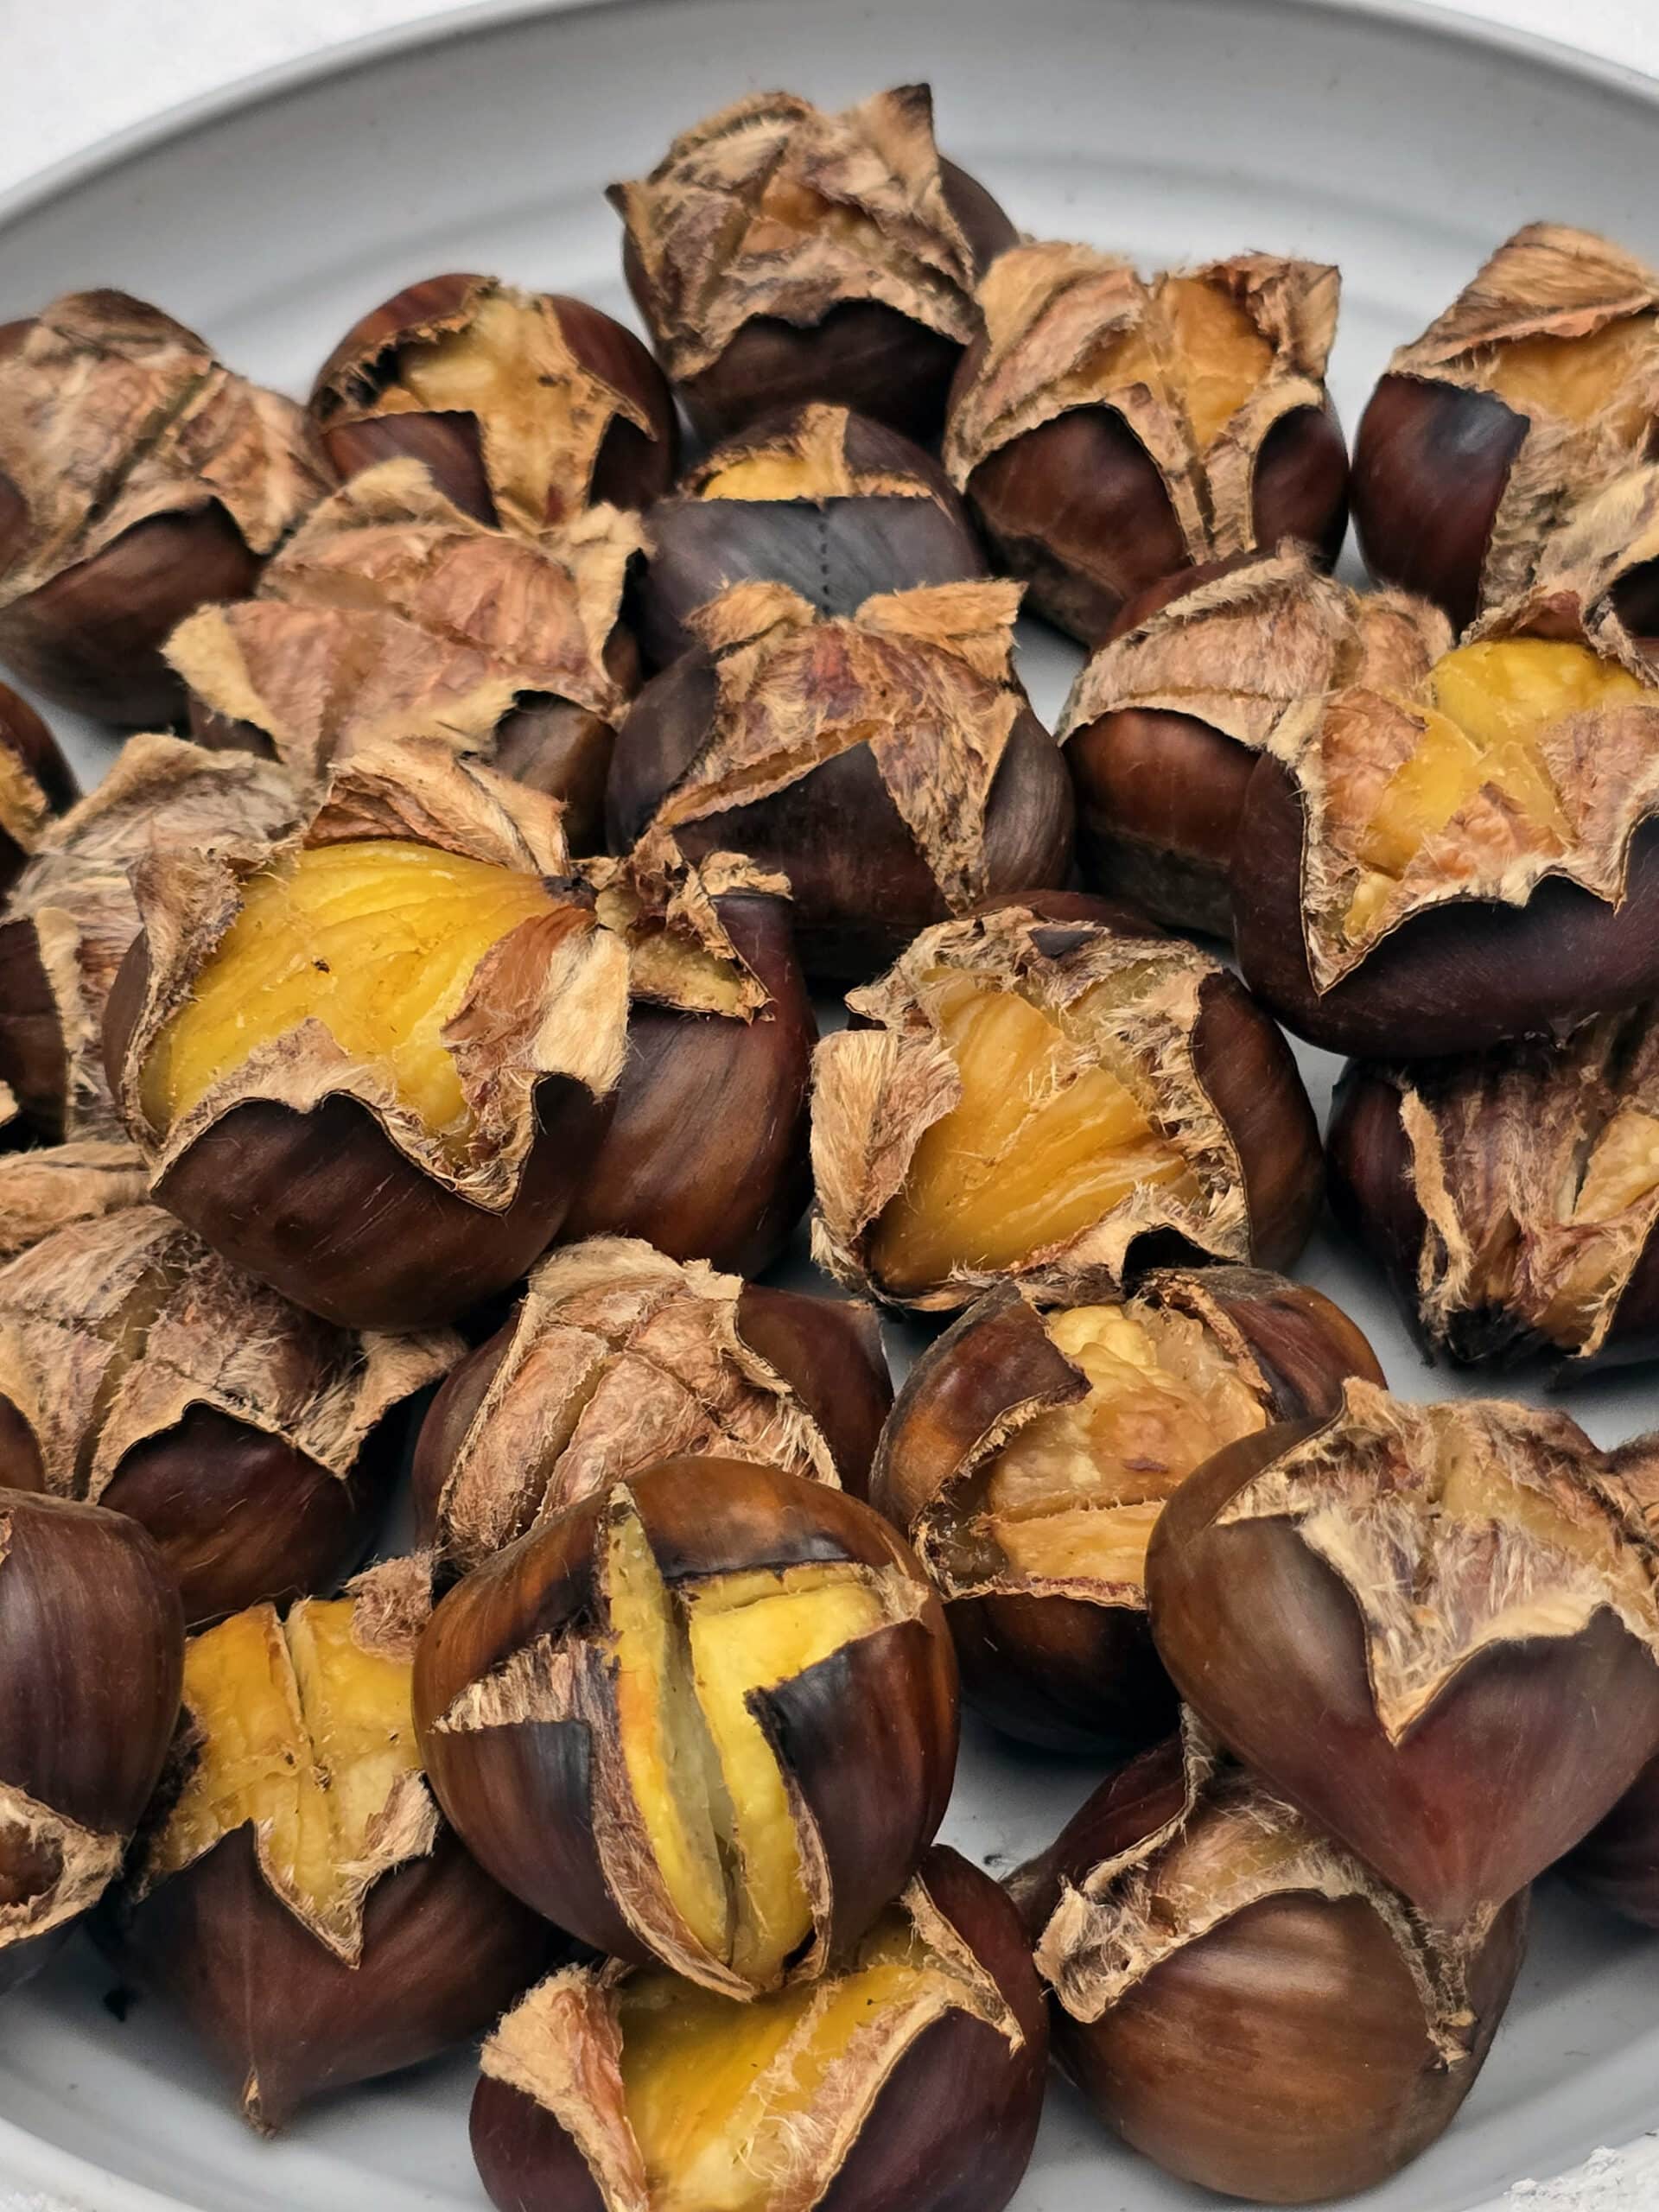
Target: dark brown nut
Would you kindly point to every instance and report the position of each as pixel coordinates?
(1241, 2000)
(295, 1895)
(256, 1444)
(525, 407)
(1030, 1454)
(706, 1717)
(1400, 1617)
(370, 1063)
(1164, 724)
(912, 2074)
(1107, 429)
(780, 255)
(1617, 1863)
(139, 478)
(886, 762)
(44, 1188)
(1539, 383)
(1053, 1103)
(837, 507)
(72, 915)
(619, 1358)
(93, 1655)
(35, 784)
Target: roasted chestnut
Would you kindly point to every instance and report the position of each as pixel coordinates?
(1164, 725)
(92, 1652)
(887, 761)
(1037, 1094)
(1538, 383)
(1404, 1618)
(705, 1718)
(1030, 1454)
(1241, 2000)
(1617, 1863)
(836, 506)
(47, 1187)
(911, 2075)
(1108, 430)
(139, 478)
(780, 255)
(372, 1063)
(35, 784)
(617, 1357)
(297, 1895)
(525, 407)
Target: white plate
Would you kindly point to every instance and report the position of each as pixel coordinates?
(1382, 136)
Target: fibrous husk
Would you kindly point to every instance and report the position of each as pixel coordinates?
(877, 1087)
(25, 808)
(111, 413)
(1575, 583)
(550, 999)
(818, 435)
(773, 207)
(80, 1863)
(1056, 316)
(48, 1189)
(680, 953)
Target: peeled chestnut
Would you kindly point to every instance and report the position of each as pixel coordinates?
(372, 1063)
(1164, 724)
(1433, 1629)
(779, 254)
(525, 407)
(1037, 1093)
(139, 478)
(1031, 1452)
(296, 1894)
(35, 784)
(1538, 383)
(887, 761)
(616, 1358)
(837, 507)
(705, 1718)
(1243, 2001)
(91, 1654)
(1108, 429)
(911, 2075)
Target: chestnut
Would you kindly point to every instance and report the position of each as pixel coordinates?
(617, 1357)
(1031, 1452)
(139, 478)
(1433, 1629)
(706, 1717)
(1617, 1863)
(525, 407)
(911, 2075)
(1108, 429)
(1241, 2000)
(72, 914)
(837, 506)
(887, 761)
(296, 1894)
(1164, 725)
(35, 784)
(370, 1064)
(1037, 1093)
(1539, 383)
(780, 255)
(92, 1650)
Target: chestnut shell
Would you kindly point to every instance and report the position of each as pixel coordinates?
(26, 737)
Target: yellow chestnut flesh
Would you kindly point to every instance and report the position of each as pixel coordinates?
(771, 476)
(1607, 372)
(1198, 350)
(497, 369)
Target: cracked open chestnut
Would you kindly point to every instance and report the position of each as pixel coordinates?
(35, 784)
(1108, 429)
(706, 1717)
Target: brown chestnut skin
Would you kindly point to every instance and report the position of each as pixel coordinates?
(26, 737)
(871, 1734)
(33, 1058)
(1617, 1863)
(1250, 1073)
(951, 2129)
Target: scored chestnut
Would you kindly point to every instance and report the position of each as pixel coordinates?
(912, 2074)
(139, 478)
(296, 1894)
(370, 1063)
(1031, 1452)
(1042, 1093)
(1241, 2000)
(1164, 724)
(47, 1187)
(526, 407)
(886, 762)
(617, 1357)
(705, 1718)
(1403, 1618)
(36, 783)
(1108, 430)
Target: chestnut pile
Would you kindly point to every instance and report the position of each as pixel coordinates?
(408, 1065)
